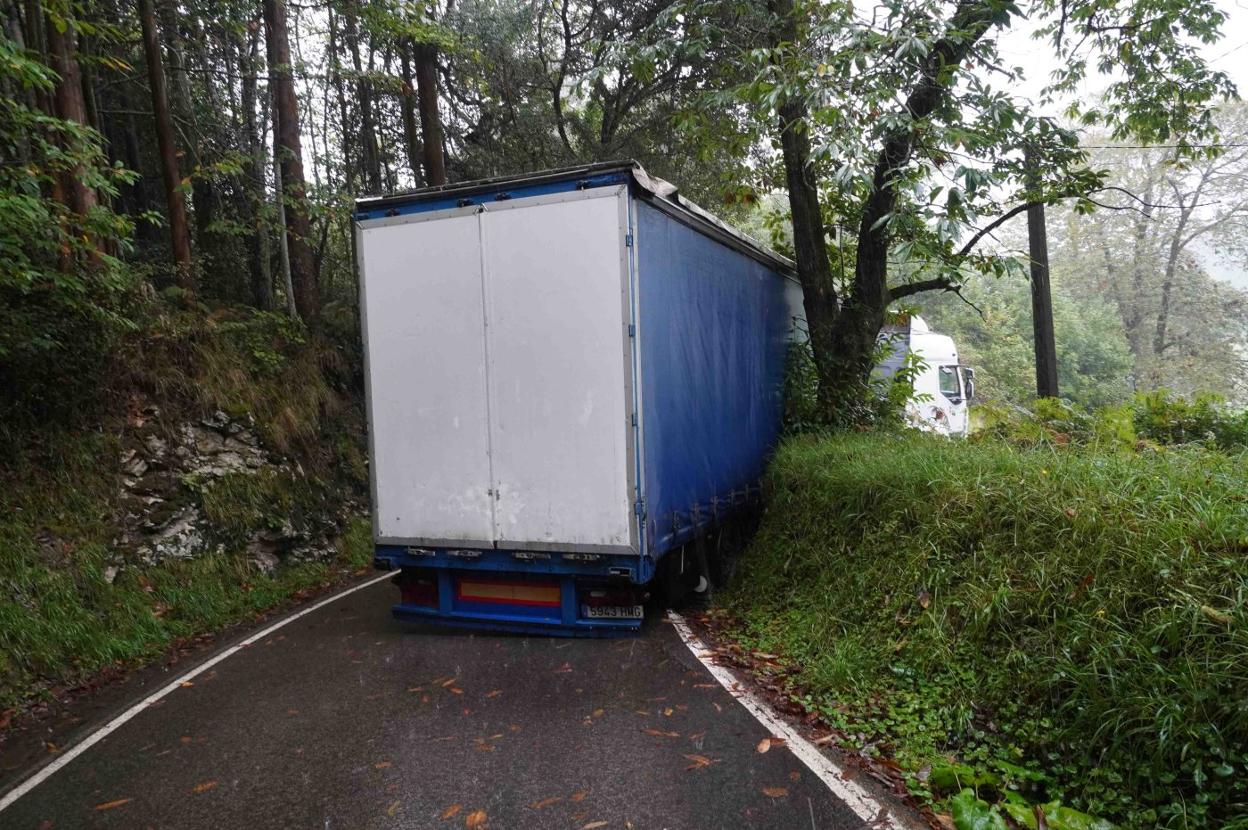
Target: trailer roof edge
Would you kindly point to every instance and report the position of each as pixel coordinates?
(659, 192)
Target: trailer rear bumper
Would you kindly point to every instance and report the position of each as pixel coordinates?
(531, 603)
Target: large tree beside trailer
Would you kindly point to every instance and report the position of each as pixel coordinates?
(901, 135)
(289, 148)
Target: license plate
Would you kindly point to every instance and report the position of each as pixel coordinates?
(613, 612)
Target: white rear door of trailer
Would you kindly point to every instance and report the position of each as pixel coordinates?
(499, 379)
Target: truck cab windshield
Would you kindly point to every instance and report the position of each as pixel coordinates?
(950, 385)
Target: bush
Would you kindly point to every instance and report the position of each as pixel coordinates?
(1068, 624)
(1152, 419)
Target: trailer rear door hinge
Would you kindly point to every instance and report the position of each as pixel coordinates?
(633, 418)
(639, 507)
(628, 240)
(632, 329)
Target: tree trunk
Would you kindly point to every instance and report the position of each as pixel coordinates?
(294, 195)
(179, 231)
(257, 240)
(370, 157)
(426, 55)
(411, 135)
(13, 30)
(843, 336)
(70, 105)
(810, 244)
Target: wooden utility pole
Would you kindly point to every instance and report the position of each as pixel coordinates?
(179, 231)
(1041, 296)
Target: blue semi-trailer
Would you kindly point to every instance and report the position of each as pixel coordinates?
(571, 375)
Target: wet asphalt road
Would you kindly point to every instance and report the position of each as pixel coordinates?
(349, 719)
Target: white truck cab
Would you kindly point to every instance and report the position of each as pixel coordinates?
(943, 387)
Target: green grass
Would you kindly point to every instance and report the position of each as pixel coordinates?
(60, 619)
(1052, 623)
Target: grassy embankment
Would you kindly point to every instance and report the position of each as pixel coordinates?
(1039, 624)
(61, 619)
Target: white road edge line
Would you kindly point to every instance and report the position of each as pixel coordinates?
(113, 725)
(854, 795)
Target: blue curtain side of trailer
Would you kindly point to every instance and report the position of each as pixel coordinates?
(713, 328)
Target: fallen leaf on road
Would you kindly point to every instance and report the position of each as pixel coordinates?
(599, 712)
(699, 761)
(475, 819)
(185, 739)
(455, 690)
(204, 786)
(292, 711)
(451, 811)
(775, 792)
(826, 739)
(667, 713)
(416, 689)
(393, 808)
(579, 795)
(494, 693)
(515, 727)
(767, 743)
(450, 682)
(564, 669)
(108, 805)
(546, 802)
(795, 776)
(718, 708)
(593, 825)
(381, 765)
(704, 685)
(659, 733)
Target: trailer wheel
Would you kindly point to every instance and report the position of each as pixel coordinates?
(683, 577)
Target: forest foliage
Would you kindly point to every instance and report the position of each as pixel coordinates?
(211, 150)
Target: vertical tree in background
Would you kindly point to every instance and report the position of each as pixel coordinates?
(370, 153)
(426, 56)
(258, 237)
(407, 102)
(294, 188)
(68, 100)
(179, 230)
